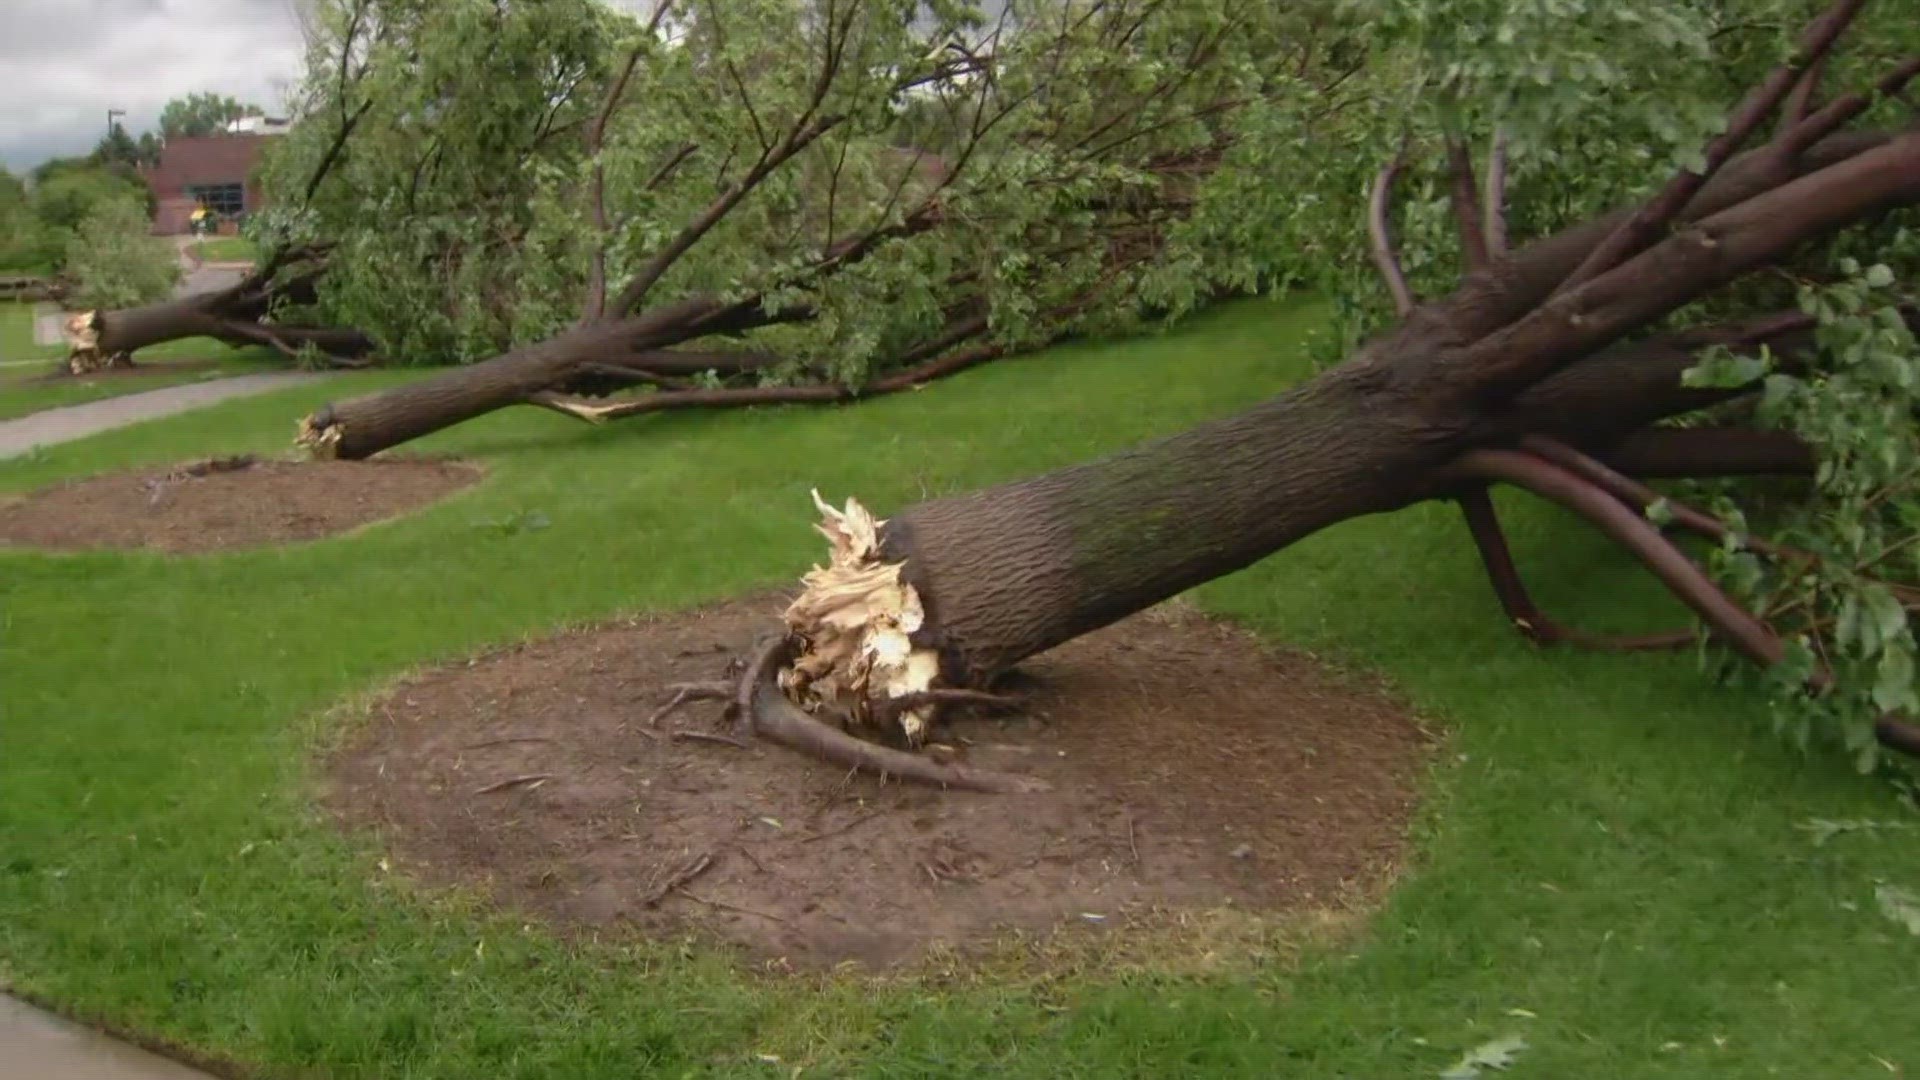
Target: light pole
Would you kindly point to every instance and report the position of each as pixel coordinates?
(111, 113)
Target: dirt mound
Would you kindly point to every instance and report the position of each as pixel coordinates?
(1192, 769)
(225, 503)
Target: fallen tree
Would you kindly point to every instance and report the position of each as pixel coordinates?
(1535, 372)
(1074, 147)
(253, 310)
(237, 315)
(328, 186)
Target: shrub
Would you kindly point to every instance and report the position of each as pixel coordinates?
(113, 261)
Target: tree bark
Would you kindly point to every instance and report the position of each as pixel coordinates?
(1013, 570)
(131, 329)
(233, 315)
(367, 425)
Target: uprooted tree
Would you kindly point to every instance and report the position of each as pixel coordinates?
(740, 203)
(1745, 316)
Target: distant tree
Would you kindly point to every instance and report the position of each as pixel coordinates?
(65, 197)
(117, 150)
(13, 194)
(203, 114)
(53, 167)
(21, 234)
(113, 260)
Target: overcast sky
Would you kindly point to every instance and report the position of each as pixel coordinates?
(64, 63)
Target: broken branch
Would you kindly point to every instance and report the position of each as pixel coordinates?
(1380, 235)
(1490, 540)
(1650, 220)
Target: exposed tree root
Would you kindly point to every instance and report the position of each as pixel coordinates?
(886, 713)
(759, 708)
(212, 465)
(687, 693)
(771, 716)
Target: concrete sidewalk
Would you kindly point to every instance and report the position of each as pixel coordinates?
(36, 1045)
(52, 426)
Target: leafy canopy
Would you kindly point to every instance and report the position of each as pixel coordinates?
(114, 262)
(203, 113)
(1596, 105)
(898, 168)
(1044, 164)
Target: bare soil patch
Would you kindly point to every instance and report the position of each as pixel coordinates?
(225, 503)
(1193, 769)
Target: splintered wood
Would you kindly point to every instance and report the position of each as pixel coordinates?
(855, 622)
(83, 344)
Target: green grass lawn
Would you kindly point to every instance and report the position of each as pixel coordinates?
(22, 365)
(226, 249)
(1612, 863)
(16, 335)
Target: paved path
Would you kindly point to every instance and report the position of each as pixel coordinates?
(199, 277)
(195, 278)
(78, 421)
(35, 1045)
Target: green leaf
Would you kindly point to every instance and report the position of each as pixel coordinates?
(1499, 1054)
(1879, 275)
(1660, 512)
(1893, 682)
(1887, 616)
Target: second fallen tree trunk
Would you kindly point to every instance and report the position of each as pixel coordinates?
(238, 315)
(366, 425)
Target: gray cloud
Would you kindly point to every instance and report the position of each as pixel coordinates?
(64, 63)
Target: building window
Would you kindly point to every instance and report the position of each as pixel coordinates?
(226, 199)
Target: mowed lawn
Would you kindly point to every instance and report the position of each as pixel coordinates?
(1615, 863)
(23, 366)
(226, 249)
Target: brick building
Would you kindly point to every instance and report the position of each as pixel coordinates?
(215, 171)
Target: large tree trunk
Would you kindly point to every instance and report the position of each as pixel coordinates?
(1013, 570)
(978, 582)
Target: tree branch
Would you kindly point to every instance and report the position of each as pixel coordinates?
(1799, 103)
(1728, 619)
(1496, 200)
(1468, 215)
(1647, 223)
(1380, 235)
(1491, 541)
(1679, 270)
(1664, 453)
(1842, 110)
(596, 300)
(800, 135)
